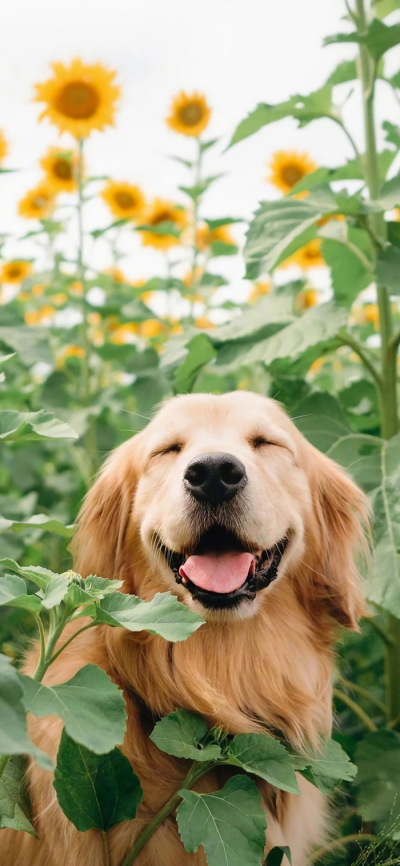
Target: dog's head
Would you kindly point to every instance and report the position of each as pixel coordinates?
(220, 499)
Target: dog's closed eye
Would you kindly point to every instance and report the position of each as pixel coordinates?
(258, 441)
(172, 448)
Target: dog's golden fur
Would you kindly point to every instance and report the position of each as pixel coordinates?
(268, 667)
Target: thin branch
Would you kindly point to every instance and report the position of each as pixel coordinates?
(341, 696)
(340, 843)
(364, 694)
(348, 135)
(41, 663)
(70, 639)
(105, 848)
(348, 340)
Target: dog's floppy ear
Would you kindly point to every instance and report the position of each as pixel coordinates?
(336, 541)
(98, 544)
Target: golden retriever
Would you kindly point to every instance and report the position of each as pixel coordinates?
(223, 502)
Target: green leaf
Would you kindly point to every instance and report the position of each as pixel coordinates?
(345, 71)
(392, 133)
(15, 808)
(31, 344)
(393, 230)
(25, 426)
(385, 7)
(379, 38)
(389, 195)
(14, 739)
(350, 265)
(303, 108)
(277, 854)
(230, 824)
(205, 145)
(388, 269)
(166, 227)
(163, 615)
(90, 705)
(5, 358)
(37, 521)
(95, 791)
(116, 224)
(199, 351)
(378, 778)
(314, 328)
(272, 310)
(219, 248)
(384, 584)
(14, 593)
(184, 734)
(326, 768)
(56, 590)
(265, 757)
(222, 221)
(38, 575)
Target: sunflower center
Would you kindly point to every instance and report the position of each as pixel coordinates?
(191, 114)
(125, 200)
(292, 173)
(162, 217)
(39, 202)
(78, 100)
(14, 272)
(62, 169)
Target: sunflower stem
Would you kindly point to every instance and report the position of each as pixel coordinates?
(196, 203)
(90, 435)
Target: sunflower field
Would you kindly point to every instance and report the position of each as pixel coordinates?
(86, 355)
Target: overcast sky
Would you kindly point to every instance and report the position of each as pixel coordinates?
(238, 52)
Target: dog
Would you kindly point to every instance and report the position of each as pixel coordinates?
(222, 501)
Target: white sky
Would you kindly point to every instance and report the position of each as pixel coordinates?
(238, 52)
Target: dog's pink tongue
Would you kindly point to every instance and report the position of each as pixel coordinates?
(218, 573)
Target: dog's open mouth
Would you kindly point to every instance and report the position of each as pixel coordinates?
(221, 572)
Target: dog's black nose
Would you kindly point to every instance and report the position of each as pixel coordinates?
(215, 478)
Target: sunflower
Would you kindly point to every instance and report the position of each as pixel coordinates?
(151, 328)
(309, 256)
(60, 168)
(206, 236)
(163, 212)
(37, 203)
(15, 272)
(124, 200)
(79, 97)
(189, 114)
(259, 290)
(3, 147)
(306, 299)
(288, 167)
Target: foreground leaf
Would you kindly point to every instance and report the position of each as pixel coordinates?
(277, 854)
(183, 734)
(326, 768)
(24, 426)
(15, 808)
(37, 521)
(90, 705)
(267, 758)
(384, 583)
(230, 824)
(14, 593)
(38, 575)
(95, 791)
(163, 615)
(379, 38)
(14, 739)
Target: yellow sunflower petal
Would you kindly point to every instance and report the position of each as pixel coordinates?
(125, 200)
(288, 167)
(309, 256)
(38, 202)
(206, 236)
(163, 212)
(189, 114)
(60, 168)
(79, 98)
(3, 147)
(15, 272)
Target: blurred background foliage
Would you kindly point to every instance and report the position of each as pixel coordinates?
(86, 356)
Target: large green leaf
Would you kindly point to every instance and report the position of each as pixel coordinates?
(24, 426)
(314, 328)
(378, 778)
(270, 311)
(350, 264)
(14, 739)
(345, 71)
(230, 824)
(303, 108)
(276, 226)
(90, 705)
(384, 584)
(185, 735)
(326, 768)
(388, 269)
(277, 854)
(14, 593)
(163, 615)
(95, 791)
(379, 38)
(37, 521)
(265, 757)
(31, 344)
(38, 575)
(199, 351)
(15, 808)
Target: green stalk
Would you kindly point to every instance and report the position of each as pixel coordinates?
(4, 759)
(105, 848)
(196, 203)
(196, 771)
(388, 390)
